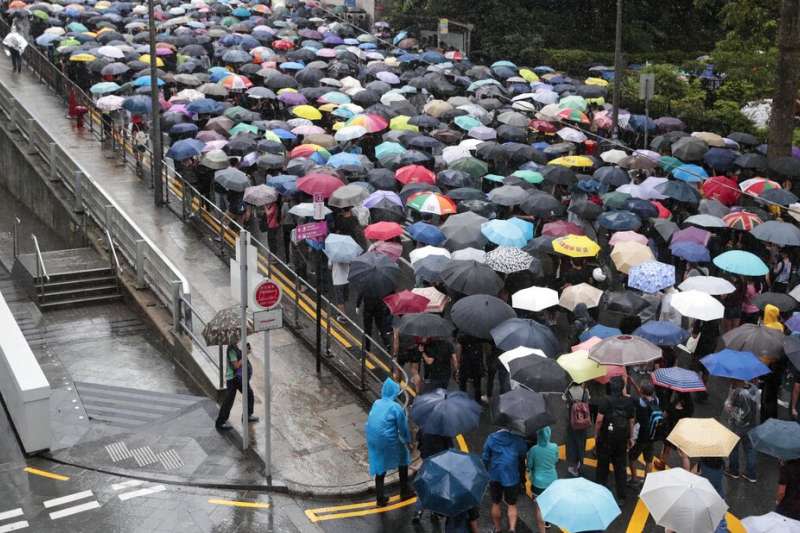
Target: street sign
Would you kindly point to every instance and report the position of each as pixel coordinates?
(312, 230)
(268, 294)
(268, 319)
(444, 26)
(647, 86)
(319, 204)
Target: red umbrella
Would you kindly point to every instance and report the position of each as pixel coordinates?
(406, 302)
(742, 220)
(542, 126)
(415, 174)
(722, 189)
(663, 212)
(319, 183)
(382, 231)
(560, 228)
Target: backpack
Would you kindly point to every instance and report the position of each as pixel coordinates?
(657, 422)
(616, 424)
(579, 414)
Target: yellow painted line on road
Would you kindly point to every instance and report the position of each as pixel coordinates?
(45, 473)
(462, 444)
(351, 506)
(734, 525)
(363, 509)
(234, 503)
(638, 518)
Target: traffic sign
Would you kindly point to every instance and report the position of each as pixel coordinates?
(267, 294)
(268, 319)
(444, 26)
(647, 86)
(311, 230)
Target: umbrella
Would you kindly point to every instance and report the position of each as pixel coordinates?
(734, 365)
(260, 195)
(534, 299)
(784, 302)
(436, 300)
(678, 379)
(232, 179)
(580, 367)
(780, 233)
(742, 220)
(599, 331)
(662, 333)
(383, 231)
(341, 248)
(690, 251)
(522, 411)
(627, 255)
(424, 325)
(348, 196)
(697, 304)
(319, 183)
(405, 302)
(374, 274)
(225, 327)
(539, 373)
(463, 231)
(306, 210)
(471, 277)
(764, 342)
(624, 350)
(703, 437)
(651, 276)
(446, 413)
(516, 332)
(508, 260)
(778, 438)
(619, 220)
(682, 501)
(451, 482)
(576, 246)
(708, 284)
(517, 353)
(426, 233)
(430, 268)
(504, 233)
(479, 314)
(578, 505)
(581, 293)
(770, 523)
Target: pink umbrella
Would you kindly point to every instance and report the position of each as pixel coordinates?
(214, 145)
(611, 370)
(602, 120)
(692, 234)
(625, 236)
(392, 250)
(308, 130)
(587, 345)
(436, 300)
(208, 135)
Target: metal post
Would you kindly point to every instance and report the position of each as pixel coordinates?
(78, 192)
(267, 409)
(330, 311)
(140, 252)
(15, 236)
(318, 310)
(221, 368)
(364, 342)
(155, 122)
(617, 72)
(646, 119)
(52, 161)
(244, 240)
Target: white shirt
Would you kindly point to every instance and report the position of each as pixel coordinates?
(339, 273)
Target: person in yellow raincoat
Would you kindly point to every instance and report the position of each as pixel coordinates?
(770, 384)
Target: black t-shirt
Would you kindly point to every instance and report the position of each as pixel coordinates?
(617, 411)
(471, 352)
(441, 351)
(790, 476)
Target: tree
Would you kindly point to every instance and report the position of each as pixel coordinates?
(787, 77)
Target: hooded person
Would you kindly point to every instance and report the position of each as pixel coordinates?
(772, 318)
(542, 461)
(504, 458)
(388, 439)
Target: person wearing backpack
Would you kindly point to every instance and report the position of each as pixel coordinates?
(542, 461)
(651, 421)
(578, 422)
(741, 410)
(614, 428)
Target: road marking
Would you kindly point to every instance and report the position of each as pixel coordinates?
(45, 473)
(74, 510)
(638, 518)
(68, 498)
(22, 524)
(351, 506)
(13, 513)
(142, 492)
(462, 444)
(127, 484)
(313, 514)
(234, 503)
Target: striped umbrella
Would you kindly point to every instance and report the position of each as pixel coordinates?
(742, 220)
(678, 379)
(431, 202)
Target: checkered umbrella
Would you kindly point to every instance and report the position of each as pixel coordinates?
(506, 260)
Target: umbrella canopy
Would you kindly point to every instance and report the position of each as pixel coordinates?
(522, 411)
(424, 325)
(699, 305)
(539, 373)
(471, 277)
(534, 299)
(778, 438)
(580, 368)
(463, 231)
(742, 263)
(708, 284)
(678, 379)
(583, 293)
(734, 365)
(765, 343)
(374, 274)
(446, 413)
(576, 246)
(451, 482)
(651, 276)
(624, 350)
(225, 327)
(780, 233)
(516, 332)
(232, 179)
(784, 302)
(479, 314)
(260, 195)
(683, 501)
(703, 437)
(578, 505)
(770, 523)
(508, 260)
(406, 302)
(627, 255)
(662, 333)
(341, 248)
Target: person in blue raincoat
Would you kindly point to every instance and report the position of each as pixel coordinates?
(388, 440)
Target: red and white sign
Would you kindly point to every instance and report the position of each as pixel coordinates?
(267, 294)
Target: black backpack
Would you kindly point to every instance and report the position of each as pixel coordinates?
(617, 423)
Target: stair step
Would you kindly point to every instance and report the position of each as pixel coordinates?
(75, 281)
(66, 292)
(78, 301)
(75, 275)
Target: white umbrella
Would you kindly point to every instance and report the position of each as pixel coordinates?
(534, 299)
(699, 305)
(708, 284)
(425, 251)
(111, 51)
(516, 353)
(454, 153)
(571, 135)
(613, 156)
(349, 133)
(770, 523)
(470, 254)
(794, 293)
(682, 501)
(111, 102)
(582, 293)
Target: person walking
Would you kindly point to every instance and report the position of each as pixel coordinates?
(578, 423)
(680, 406)
(652, 421)
(613, 429)
(542, 461)
(428, 446)
(741, 413)
(504, 457)
(787, 498)
(439, 361)
(233, 383)
(388, 441)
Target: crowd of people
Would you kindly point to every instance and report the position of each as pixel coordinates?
(488, 230)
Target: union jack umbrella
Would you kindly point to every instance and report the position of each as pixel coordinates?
(742, 220)
(678, 379)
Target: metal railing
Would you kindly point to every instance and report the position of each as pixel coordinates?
(41, 270)
(15, 237)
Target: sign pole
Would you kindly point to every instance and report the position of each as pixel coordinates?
(244, 240)
(318, 216)
(267, 407)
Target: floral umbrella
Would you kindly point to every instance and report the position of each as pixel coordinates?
(225, 327)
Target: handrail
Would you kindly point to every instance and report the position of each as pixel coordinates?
(39, 259)
(15, 236)
(115, 263)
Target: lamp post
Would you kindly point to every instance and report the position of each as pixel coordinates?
(617, 72)
(155, 112)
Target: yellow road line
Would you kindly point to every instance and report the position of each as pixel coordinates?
(734, 525)
(351, 506)
(638, 518)
(234, 503)
(45, 473)
(314, 517)
(462, 444)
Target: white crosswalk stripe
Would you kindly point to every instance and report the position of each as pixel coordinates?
(127, 484)
(13, 526)
(13, 513)
(68, 498)
(141, 492)
(75, 509)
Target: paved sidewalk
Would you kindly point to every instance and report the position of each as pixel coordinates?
(318, 443)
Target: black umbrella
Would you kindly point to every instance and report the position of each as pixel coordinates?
(787, 166)
(586, 210)
(539, 373)
(559, 175)
(751, 160)
(464, 230)
(446, 413)
(374, 274)
(522, 411)
(791, 345)
(779, 196)
(742, 138)
(424, 325)
(760, 340)
(541, 204)
(780, 233)
(478, 314)
(516, 332)
(689, 149)
(430, 268)
(455, 178)
(782, 301)
(680, 191)
(613, 176)
(625, 302)
(465, 193)
(471, 277)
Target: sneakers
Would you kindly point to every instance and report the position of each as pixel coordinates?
(224, 427)
(748, 478)
(731, 474)
(573, 471)
(417, 517)
(253, 418)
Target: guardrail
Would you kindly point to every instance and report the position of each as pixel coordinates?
(362, 360)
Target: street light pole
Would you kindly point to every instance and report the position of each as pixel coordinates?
(617, 72)
(155, 112)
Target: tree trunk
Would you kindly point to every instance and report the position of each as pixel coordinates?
(781, 123)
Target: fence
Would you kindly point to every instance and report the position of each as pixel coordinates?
(356, 355)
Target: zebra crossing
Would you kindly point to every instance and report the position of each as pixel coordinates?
(74, 509)
(12, 526)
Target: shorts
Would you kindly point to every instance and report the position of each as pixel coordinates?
(500, 493)
(412, 355)
(536, 491)
(341, 293)
(647, 449)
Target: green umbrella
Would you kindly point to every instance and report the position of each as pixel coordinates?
(530, 176)
(388, 149)
(466, 122)
(474, 167)
(615, 200)
(242, 127)
(574, 102)
(669, 163)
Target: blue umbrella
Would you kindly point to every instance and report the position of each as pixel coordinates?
(651, 276)
(285, 183)
(137, 104)
(426, 233)
(742, 263)
(678, 379)
(286, 135)
(446, 413)
(185, 149)
(735, 365)
(578, 505)
(690, 251)
(345, 159)
(144, 81)
(217, 73)
(690, 173)
(721, 159)
(619, 221)
(341, 248)
(599, 331)
(662, 333)
(451, 482)
(104, 87)
(183, 128)
(778, 438)
(528, 228)
(504, 233)
(205, 106)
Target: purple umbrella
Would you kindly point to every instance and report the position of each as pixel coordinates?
(373, 199)
(690, 251)
(291, 99)
(692, 234)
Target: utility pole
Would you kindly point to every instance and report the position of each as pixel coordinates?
(155, 112)
(617, 72)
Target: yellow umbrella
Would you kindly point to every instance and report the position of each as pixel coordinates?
(528, 75)
(582, 293)
(578, 161)
(400, 123)
(145, 58)
(307, 112)
(576, 246)
(596, 81)
(82, 58)
(599, 101)
(286, 90)
(579, 367)
(703, 437)
(328, 107)
(629, 254)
